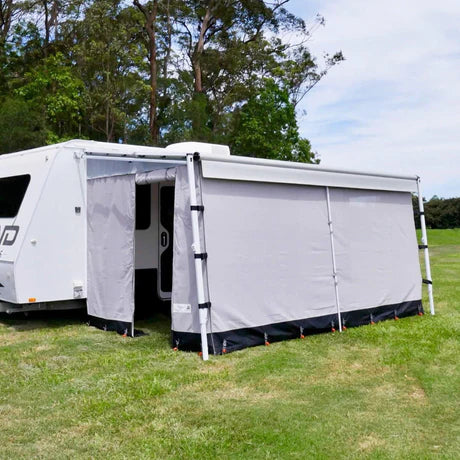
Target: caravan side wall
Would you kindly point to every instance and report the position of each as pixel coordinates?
(49, 255)
(52, 261)
(36, 167)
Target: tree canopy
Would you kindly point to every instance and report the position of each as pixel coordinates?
(156, 72)
(439, 212)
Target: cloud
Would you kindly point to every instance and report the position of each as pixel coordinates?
(394, 104)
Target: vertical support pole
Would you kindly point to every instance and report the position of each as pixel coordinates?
(134, 312)
(425, 244)
(203, 312)
(334, 265)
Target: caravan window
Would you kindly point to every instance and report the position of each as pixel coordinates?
(12, 191)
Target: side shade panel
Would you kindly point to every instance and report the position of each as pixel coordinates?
(111, 221)
(269, 253)
(376, 248)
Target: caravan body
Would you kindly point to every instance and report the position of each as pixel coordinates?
(44, 258)
(249, 251)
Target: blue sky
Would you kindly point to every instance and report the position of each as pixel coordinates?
(394, 103)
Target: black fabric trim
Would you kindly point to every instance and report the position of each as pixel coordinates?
(427, 281)
(237, 339)
(423, 246)
(196, 207)
(204, 305)
(201, 255)
(121, 327)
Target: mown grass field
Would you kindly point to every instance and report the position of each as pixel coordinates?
(390, 390)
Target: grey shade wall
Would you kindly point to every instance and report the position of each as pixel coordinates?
(110, 241)
(184, 300)
(376, 248)
(269, 253)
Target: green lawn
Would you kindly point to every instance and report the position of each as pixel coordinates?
(385, 391)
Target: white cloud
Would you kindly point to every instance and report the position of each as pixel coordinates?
(394, 104)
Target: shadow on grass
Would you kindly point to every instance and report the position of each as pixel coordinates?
(159, 324)
(43, 319)
(21, 322)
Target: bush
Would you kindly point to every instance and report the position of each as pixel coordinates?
(439, 212)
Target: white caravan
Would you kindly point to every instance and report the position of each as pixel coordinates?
(248, 251)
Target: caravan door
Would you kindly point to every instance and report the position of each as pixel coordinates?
(165, 240)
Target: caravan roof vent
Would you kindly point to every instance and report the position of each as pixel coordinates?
(201, 147)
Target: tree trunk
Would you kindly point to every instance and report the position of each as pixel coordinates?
(153, 125)
(6, 17)
(198, 52)
(150, 27)
(169, 46)
(47, 28)
(107, 117)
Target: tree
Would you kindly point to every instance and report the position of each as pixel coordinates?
(156, 72)
(150, 15)
(439, 212)
(232, 46)
(9, 11)
(109, 59)
(218, 36)
(55, 91)
(21, 125)
(267, 127)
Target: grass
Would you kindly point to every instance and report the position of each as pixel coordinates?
(385, 391)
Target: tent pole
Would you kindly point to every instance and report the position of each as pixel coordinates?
(334, 265)
(203, 312)
(425, 245)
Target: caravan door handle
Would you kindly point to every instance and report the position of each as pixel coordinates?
(164, 239)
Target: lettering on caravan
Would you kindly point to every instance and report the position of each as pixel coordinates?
(8, 235)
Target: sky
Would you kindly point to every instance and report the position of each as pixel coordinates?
(393, 105)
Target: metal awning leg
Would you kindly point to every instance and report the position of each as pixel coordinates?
(203, 306)
(429, 280)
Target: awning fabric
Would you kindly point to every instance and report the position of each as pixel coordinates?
(156, 176)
